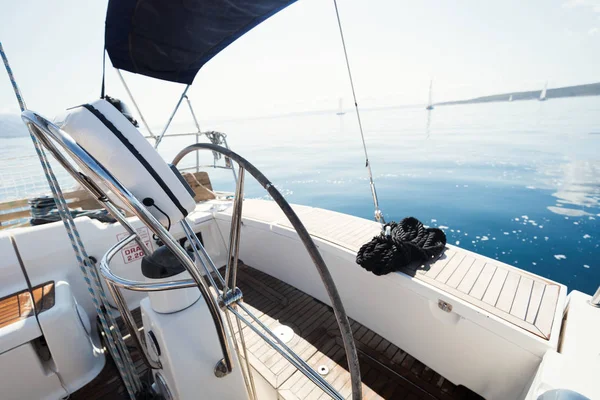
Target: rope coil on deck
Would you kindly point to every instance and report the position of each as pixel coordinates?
(400, 245)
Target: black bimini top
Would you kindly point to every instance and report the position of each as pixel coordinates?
(172, 39)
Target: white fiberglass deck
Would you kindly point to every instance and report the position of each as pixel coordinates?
(516, 296)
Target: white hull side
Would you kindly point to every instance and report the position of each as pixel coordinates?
(467, 346)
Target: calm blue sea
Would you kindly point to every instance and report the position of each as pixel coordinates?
(519, 181)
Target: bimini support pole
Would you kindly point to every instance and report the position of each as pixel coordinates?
(378, 214)
(183, 95)
(198, 131)
(152, 135)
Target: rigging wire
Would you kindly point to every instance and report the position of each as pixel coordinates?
(116, 344)
(160, 137)
(137, 108)
(103, 86)
(378, 213)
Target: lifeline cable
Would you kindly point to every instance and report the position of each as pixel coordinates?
(378, 214)
(113, 336)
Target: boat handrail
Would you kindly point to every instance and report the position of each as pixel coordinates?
(137, 286)
(49, 134)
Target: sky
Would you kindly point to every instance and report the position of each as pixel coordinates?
(294, 61)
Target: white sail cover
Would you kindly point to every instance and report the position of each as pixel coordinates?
(114, 142)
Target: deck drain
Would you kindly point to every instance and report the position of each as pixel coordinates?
(284, 333)
(323, 370)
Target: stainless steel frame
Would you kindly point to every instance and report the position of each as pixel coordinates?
(197, 134)
(162, 134)
(198, 166)
(50, 136)
(137, 108)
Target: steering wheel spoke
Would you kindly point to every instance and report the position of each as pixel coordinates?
(234, 234)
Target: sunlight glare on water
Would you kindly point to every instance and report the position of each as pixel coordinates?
(518, 182)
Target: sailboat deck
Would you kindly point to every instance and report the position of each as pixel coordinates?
(525, 300)
(387, 371)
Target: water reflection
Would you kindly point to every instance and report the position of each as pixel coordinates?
(578, 185)
(428, 124)
(511, 181)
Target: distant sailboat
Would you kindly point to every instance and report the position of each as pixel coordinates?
(510, 98)
(543, 94)
(430, 102)
(341, 110)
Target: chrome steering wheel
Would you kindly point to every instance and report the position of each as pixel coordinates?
(231, 294)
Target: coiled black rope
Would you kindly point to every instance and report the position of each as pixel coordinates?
(400, 245)
(44, 211)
